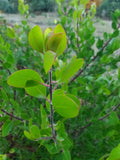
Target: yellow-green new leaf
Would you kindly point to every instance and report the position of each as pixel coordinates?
(35, 38)
(49, 59)
(63, 43)
(54, 41)
(46, 35)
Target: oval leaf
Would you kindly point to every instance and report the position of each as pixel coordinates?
(65, 106)
(20, 78)
(63, 42)
(35, 38)
(38, 91)
(54, 42)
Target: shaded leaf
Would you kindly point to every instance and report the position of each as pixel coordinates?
(63, 42)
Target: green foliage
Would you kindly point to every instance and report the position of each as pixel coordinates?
(85, 95)
(107, 7)
(97, 84)
(41, 5)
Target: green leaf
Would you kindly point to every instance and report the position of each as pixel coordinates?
(38, 91)
(59, 92)
(35, 38)
(30, 80)
(115, 153)
(119, 74)
(3, 157)
(67, 143)
(31, 83)
(53, 148)
(44, 118)
(63, 43)
(46, 35)
(65, 106)
(7, 127)
(113, 119)
(35, 132)
(69, 70)
(66, 155)
(28, 135)
(46, 132)
(61, 133)
(49, 59)
(10, 32)
(99, 43)
(54, 41)
(20, 78)
(74, 98)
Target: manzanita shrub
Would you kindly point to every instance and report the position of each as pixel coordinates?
(97, 83)
(51, 44)
(48, 100)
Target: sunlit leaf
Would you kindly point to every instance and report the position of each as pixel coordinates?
(35, 38)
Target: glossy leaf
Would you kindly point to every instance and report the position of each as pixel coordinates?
(35, 38)
(20, 78)
(49, 59)
(63, 43)
(46, 35)
(30, 80)
(65, 106)
(38, 91)
(54, 42)
(74, 98)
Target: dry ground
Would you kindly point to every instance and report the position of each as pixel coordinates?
(47, 19)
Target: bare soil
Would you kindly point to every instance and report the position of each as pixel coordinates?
(48, 19)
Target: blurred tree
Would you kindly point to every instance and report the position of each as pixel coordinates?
(41, 5)
(97, 2)
(108, 6)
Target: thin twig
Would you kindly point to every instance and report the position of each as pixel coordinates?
(107, 115)
(46, 138)
(100, 119)
(55, 87)
(11, 115)
(94, 58)
(51, 106)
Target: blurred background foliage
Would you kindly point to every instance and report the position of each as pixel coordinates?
(98, 89)
(104, 7)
